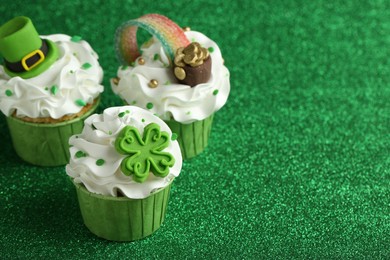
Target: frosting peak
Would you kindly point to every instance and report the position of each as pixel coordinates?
(105, 162)
(171, 99)
(64, 88)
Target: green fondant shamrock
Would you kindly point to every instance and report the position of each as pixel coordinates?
(145, 154)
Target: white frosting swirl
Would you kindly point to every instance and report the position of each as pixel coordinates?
(59, 90)
(98, 141)
(172, 99)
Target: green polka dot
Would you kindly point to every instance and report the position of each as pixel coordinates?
(76, 38)
(210, 49)
(54, 89)
(100, 162)
(80, 102)
(149, 105)
(215, 92)
(80, 154)
(8, 93)
(174, 136)
(143, 120)
(86, 66)
(121, 114)
(156, 56)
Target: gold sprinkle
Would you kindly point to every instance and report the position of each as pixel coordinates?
(186, 29)
(153, 83)
(115, 80)
(141, 61)
(180, 73)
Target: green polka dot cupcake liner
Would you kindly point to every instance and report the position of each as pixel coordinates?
(45, 144)
(193, 137)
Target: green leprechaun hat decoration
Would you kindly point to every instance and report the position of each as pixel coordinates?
(25, 54)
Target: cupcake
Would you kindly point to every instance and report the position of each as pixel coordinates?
(48, 86)
(180, 77)
(123, 164)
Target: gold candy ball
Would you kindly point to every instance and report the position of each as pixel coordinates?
(153, 83)
(115, 81)
(141, 61)
(186, 29)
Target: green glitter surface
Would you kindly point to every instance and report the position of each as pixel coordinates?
(297, 164)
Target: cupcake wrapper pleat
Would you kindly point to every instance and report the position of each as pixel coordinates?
(121, 218)
(193, 138)
(45, 144)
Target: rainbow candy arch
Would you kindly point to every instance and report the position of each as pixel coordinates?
(166, 31)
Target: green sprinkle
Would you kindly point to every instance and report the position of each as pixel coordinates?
(149, 105)
(100, 162)
(74, 54)
(76, 38)
(127, 111)
(8, 93)
(80, 102)
(80, 154)
(174, 136)
(121, 114)
(110, 132)
(86, 66)
(143, 120)
(188, 112)
(124, 67)
(215, 92)
(156, 56)
(71, 71)
(54, 89)
(46, 88)
(210, 49)
(132, 64)
(167, 83)
(134, 102)
(193, 40)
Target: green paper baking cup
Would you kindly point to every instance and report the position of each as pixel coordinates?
(45, 144)
(121, 218)
(193, 138)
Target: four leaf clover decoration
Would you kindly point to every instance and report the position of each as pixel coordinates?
(145, 154)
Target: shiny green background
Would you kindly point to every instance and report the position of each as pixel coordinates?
(298, 160)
